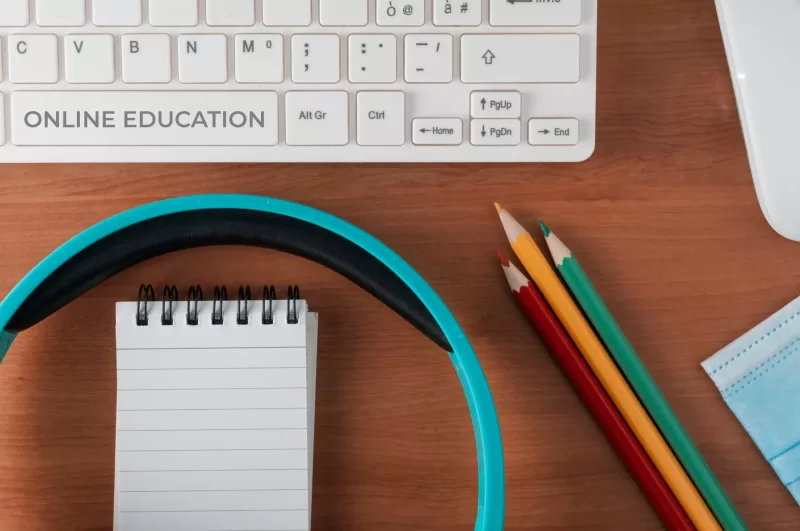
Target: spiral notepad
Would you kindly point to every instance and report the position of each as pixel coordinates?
(215, 412)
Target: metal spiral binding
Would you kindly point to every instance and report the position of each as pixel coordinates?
(195, 295)
(220, 297)
(241, 305)
(168, 299)
(293, 296)
(146, 295)
(267, 300)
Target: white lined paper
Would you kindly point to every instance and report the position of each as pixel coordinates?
(212, 419)
(212, 480)
(206, 358)
(212, 379)
(128, 400)
(217, 521)
(214, 422)
(218, 460)
(250, 500)
(212, 440)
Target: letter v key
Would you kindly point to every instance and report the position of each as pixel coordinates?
(89, 58)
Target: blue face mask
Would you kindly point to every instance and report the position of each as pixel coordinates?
(759, 378)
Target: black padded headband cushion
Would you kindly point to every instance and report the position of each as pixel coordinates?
(174, 232)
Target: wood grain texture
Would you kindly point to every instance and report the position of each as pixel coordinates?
(665, 220)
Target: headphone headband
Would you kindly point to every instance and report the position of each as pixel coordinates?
(165, 226)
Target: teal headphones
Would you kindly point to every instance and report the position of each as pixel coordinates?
(167, 226)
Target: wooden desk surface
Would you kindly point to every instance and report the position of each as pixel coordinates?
(664, 217)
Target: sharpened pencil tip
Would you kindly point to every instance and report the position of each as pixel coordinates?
(498, 207)
(545, 228)
(503, 258)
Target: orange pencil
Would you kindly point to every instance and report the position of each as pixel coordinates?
(618, 389)
(596, 400)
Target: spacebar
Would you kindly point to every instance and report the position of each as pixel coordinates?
(175, 118)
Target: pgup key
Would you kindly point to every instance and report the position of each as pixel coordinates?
(484, 104)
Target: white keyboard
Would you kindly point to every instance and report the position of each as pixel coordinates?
(297, 80)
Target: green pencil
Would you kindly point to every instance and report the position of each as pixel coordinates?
(642, 383)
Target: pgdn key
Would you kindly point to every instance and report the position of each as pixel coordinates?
(495, 132)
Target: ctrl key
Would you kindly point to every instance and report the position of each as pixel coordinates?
(437, 131)
(553, 131)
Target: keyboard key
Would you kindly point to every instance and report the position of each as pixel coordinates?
(89, 58)
(14, 13)
(151, 118)
(537, 13)
(259, 58)
(495, 132)
(287, 13)
(429, 58)
(437, 131)
(553, 58)
(1, 60)
(372, 59)
(203, 58)
(381, 118)
(230, 12)
(400, 12)
(553, 131)
(484, 104)
(173, 13)
(60, 12)
(117, 12)
(457, 12)
(317, 118)
(2, 120)
(315, 59)
(33, 58)
(146, 59)
(343, 12)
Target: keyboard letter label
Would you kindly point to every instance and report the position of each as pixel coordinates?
(144, 119)
(33, 59)
(259, 58)
(400, 12)
(317, 118)
(457, 12)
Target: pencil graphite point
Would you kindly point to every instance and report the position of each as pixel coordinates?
(545, 228)
(498, 207)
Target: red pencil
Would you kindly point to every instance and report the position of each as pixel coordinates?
(597, 401)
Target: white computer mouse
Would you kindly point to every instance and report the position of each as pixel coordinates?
(762, 41)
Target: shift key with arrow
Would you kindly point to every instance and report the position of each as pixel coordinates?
(520, 58)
